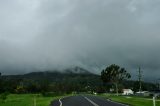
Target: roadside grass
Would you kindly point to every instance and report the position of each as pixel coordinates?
(28, 100)
(131, 100)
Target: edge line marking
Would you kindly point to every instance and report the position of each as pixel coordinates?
(60, 102)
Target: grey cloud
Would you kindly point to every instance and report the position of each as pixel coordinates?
(45, 35)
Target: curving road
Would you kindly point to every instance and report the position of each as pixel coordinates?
(84, 101)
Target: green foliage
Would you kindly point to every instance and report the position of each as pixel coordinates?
(114, 74)
(3, 96)
(50, 82)
(51, 94)
(38, 82)
(20, 89)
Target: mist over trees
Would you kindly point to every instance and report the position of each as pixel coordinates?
(69, 82)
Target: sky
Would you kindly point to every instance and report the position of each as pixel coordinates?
(39, 35)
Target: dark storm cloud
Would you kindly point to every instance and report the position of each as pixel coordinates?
(50, 34)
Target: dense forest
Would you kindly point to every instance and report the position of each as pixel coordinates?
(69, 81)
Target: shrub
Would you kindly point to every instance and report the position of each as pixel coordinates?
(3, 96)
(50, 94)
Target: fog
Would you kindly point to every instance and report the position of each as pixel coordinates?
(39, 35)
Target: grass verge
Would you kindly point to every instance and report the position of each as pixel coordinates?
(28, 100)
(131, 100)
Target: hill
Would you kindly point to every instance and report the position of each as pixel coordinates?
(73, 79)
(68, 80)
(55, 75)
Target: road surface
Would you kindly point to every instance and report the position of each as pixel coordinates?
(84, 101)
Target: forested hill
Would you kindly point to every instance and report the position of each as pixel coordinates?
(72, 74)
(73, 79)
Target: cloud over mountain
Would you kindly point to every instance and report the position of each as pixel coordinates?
(43, 35)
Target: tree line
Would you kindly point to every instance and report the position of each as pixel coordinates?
(112, 76)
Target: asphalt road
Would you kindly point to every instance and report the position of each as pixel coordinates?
(84, 101)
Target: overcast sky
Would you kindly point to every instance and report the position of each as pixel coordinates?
(37, 35)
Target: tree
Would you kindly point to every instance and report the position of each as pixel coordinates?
(115, 75)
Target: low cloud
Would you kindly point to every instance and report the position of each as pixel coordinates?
(45, 35)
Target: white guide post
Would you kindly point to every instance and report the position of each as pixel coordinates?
(154, 101)
(34, 101)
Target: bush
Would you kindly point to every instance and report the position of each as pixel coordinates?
(3, 96)
(50, 94)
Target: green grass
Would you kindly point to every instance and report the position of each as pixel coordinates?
(132, 100)
(27, 100)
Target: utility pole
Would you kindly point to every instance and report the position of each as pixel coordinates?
(158, 84)
(140, 79)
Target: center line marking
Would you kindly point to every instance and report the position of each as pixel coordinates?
(60, 102)
(93, 103)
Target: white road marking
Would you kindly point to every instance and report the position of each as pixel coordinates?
(93, 103)
(60, 102)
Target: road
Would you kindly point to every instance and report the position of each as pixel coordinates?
(84, 101)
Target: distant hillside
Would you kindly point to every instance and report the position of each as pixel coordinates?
(72, 75)
(73, 79)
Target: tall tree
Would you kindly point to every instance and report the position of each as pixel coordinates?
(115, 75)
